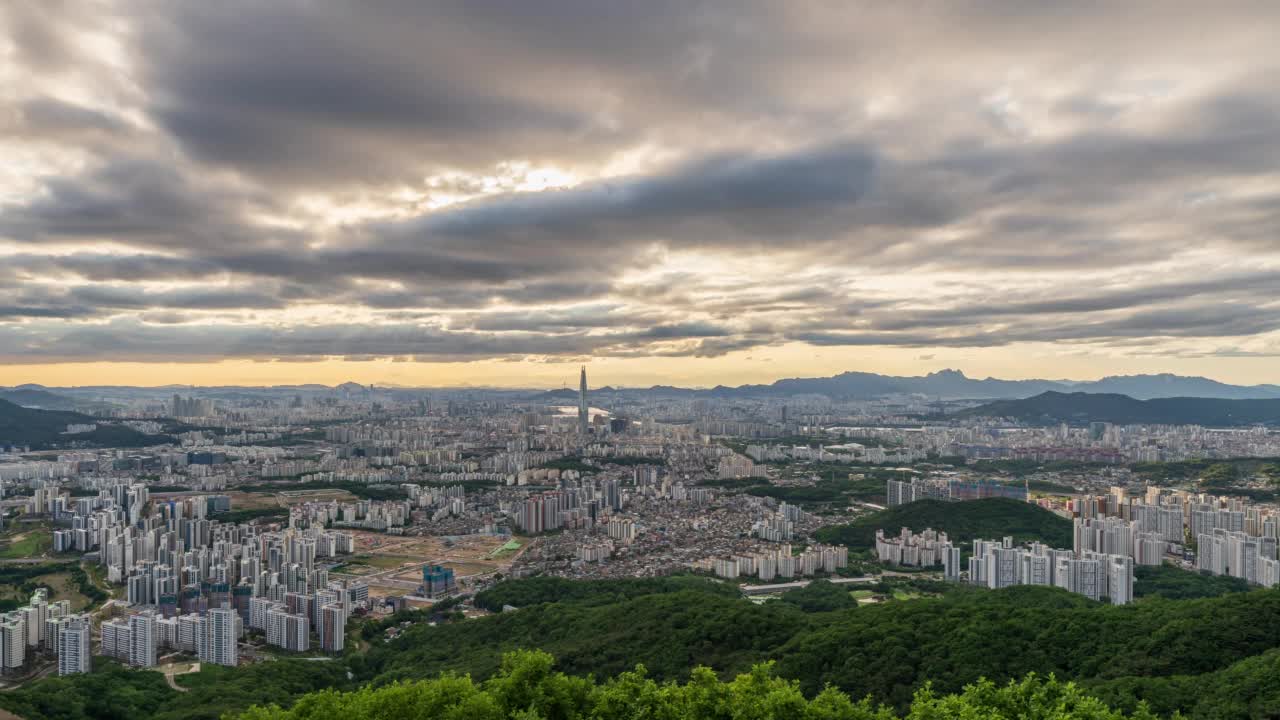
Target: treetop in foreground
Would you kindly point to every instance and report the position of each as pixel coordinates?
(528, 688)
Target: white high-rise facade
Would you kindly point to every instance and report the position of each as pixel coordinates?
(142, 640)
(218, 637)
(13, 641)
(74, 651)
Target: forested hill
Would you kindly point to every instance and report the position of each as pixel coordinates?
(35, 398)
(987, 519)
(1180, 652)
(1052, 408)
(44, 429)
(528, 687)
(1209, 658)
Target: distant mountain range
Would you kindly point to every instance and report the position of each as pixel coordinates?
(32, 398)
(955, 385)
(1077, 408)
(944, 384)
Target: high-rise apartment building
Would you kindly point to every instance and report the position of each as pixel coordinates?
(13, 641)
(142, 640)
(332, 627)
(218, 635)
(74, 651)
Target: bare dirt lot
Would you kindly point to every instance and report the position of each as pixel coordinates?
(392, 565)
(258, 500)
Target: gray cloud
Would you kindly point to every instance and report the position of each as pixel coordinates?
(139, 202)
(37, 31)
(790, 172)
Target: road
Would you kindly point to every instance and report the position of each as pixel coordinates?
(782, 587)
(168, 677)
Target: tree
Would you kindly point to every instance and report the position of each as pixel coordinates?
(527, 688)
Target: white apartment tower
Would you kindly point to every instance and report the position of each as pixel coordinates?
(142, 640)
(218, 639)
(74, 652)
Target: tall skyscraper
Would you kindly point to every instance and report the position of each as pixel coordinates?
(582, 403)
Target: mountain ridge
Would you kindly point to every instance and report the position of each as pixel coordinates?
(946, 384)
(1077, 408)
(951, 384)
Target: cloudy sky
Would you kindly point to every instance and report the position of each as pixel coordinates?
(683, 191)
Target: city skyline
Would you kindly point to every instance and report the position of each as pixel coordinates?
(683, 193)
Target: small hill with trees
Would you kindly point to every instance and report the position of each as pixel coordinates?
(46, 429)
(989, 519)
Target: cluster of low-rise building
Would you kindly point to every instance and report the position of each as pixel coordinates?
(779, 562)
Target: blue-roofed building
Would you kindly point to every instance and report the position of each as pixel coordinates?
(437, 581)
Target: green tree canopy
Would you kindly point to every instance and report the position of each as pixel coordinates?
(529, 688)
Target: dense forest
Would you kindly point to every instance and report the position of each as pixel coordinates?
(115, 692)
(528, 687)
(987, 519)
(1212, 657)
(886, 651)
(1172, 583)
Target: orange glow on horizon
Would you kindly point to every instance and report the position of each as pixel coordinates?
(757, 366)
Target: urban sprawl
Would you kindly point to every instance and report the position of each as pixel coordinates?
(272, 520)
